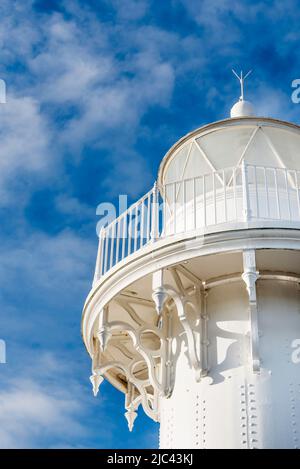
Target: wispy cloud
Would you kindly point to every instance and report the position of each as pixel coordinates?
(97, 92)
(78, 85)
(25, 142)
(29, 414)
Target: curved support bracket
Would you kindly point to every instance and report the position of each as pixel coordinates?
(133, 401)
(148, 355)
(160, 362)
(141, 385)
(181, 303)
(158, 375)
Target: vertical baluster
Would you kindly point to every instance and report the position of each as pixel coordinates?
(225, 195)
(105, 265)
(214, 196)
(99, 260)
(129, 230)
(101, 264)
(174, 207)
(267, 192)
(142, 223)
(277, 194)
(117, 256)
(135, 242)
(125, 235)
(297, 192)
(173, 189)
(112, 244)
(194, 203)
(204, 201)
(148, 216)
(246, 198)
(287, 192)
(256, 190)
(165, 201)
(234, 193)
(155, 214)
(184, 206)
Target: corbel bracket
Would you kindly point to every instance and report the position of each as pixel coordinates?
(162, 292)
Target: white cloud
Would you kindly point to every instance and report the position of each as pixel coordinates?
(103, 77)
(68, 66)
(45, 404)
(47, 262)
(29, 414)
(82, 83)
(25, 140)
(41, 403)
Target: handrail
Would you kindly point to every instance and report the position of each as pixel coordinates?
(132, 207)
(238, 194)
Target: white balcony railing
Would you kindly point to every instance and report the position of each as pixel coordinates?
(234, 195)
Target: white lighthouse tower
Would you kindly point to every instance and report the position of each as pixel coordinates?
(194, 312)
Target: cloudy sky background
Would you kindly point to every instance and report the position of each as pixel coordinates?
(98, 90)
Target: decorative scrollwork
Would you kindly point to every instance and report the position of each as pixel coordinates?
(171, 303)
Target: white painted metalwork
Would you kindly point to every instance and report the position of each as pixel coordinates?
(240, 194)
(194, 312)
(242, 79)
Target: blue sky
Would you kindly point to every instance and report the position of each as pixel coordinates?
(98, 90)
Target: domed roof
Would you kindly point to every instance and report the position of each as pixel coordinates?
(242, 109)
(225, 144)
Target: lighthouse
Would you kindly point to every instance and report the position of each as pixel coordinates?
(194, 310)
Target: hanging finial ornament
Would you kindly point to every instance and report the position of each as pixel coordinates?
(96, 380)
(130, 417)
